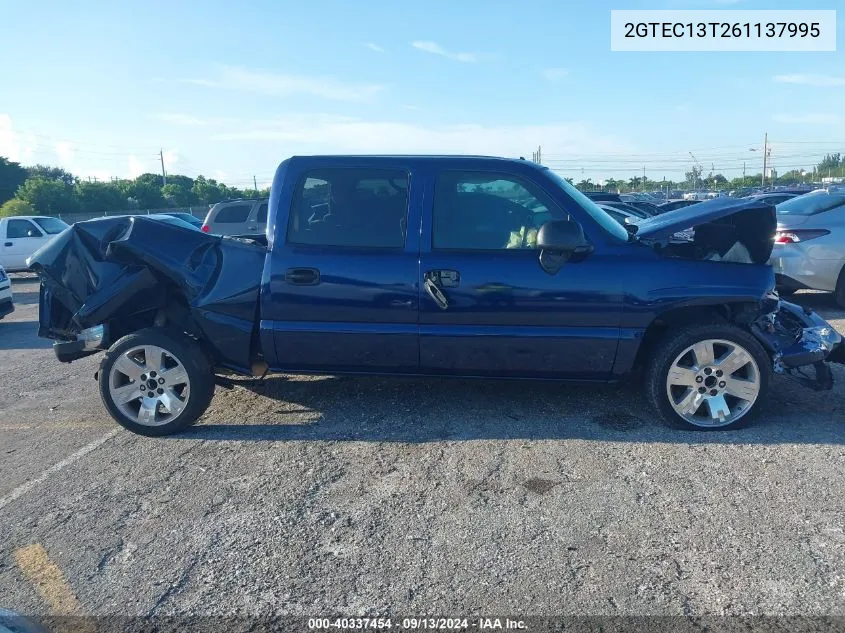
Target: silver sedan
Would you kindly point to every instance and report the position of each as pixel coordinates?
(809, 250)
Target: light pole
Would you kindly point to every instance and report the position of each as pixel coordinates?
(766, 151)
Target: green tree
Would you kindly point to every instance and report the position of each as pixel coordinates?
(206, 190)
(50, 197)
(585, 185)
(829, 163)
(100, 197)
(51, 173)
(693, 176)
(16, 207)
(177, 195)
(12, 176)
(144, 192)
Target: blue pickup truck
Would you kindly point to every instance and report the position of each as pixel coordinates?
(433, 266)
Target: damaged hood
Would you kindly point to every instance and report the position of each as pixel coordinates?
(718, 222)
(666, 224)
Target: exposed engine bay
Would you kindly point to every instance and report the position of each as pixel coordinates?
(743, 237)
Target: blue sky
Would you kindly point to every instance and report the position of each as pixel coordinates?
(228, 92)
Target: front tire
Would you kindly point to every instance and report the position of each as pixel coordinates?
(709, 377)
(156, 382)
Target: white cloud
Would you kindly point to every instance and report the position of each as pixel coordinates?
(135, 167)
(333, 134)
(410, 106)
(555, 74)
(436, 49)
(171, 157)
(374, 47)
(810, 118)
(177, 118)
(13, 145)
(65, 153)
(280, 84)
(822, 81)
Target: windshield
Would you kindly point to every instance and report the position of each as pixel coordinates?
(51, 226)
(811, 203)
(598, 214)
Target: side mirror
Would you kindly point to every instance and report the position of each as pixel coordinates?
(560, 241)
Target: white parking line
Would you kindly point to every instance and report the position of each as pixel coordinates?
(67, 461)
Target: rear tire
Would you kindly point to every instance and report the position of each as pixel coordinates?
(726, 362)
(156, 382)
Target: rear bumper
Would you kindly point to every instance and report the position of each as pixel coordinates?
(798, 270)
(88, 342)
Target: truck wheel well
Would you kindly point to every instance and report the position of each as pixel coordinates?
(174, 313)
(680, 317)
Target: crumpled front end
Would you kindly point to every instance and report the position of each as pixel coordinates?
(799, 340)
(104, 278)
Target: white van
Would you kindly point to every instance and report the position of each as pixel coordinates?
(237, 217)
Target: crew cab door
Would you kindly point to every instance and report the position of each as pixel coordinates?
(342, 291)
(487, 307)
(23, 237)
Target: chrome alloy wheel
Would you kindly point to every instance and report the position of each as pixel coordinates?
(149, 385)
(713, 383)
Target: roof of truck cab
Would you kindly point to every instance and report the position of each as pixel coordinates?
(422, 158)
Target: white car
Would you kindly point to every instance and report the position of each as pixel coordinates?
(21, 236)
(6, 305)
(809, 249)
(237, 217)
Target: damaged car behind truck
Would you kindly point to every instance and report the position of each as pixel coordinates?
(433, 266)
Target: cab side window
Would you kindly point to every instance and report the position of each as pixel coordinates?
(363, 208)
(21, 228)
(486, 211)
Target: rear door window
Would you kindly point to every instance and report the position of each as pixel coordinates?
(364, 208)
(261, 218)
(233, 214)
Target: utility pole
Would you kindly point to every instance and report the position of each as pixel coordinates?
(540, 154)
(643, 188)
(163, 174)
(743, 173)
(765, 157)
(255, 183)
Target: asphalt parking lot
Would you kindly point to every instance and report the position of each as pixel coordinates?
(309, 496)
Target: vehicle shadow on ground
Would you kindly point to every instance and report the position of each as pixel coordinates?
(822, 302)
(23, 278)
(21, 335)
(24, 298)
(433, 410)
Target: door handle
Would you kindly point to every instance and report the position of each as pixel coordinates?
(302, 276)
(434, 291)
(9, 244)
